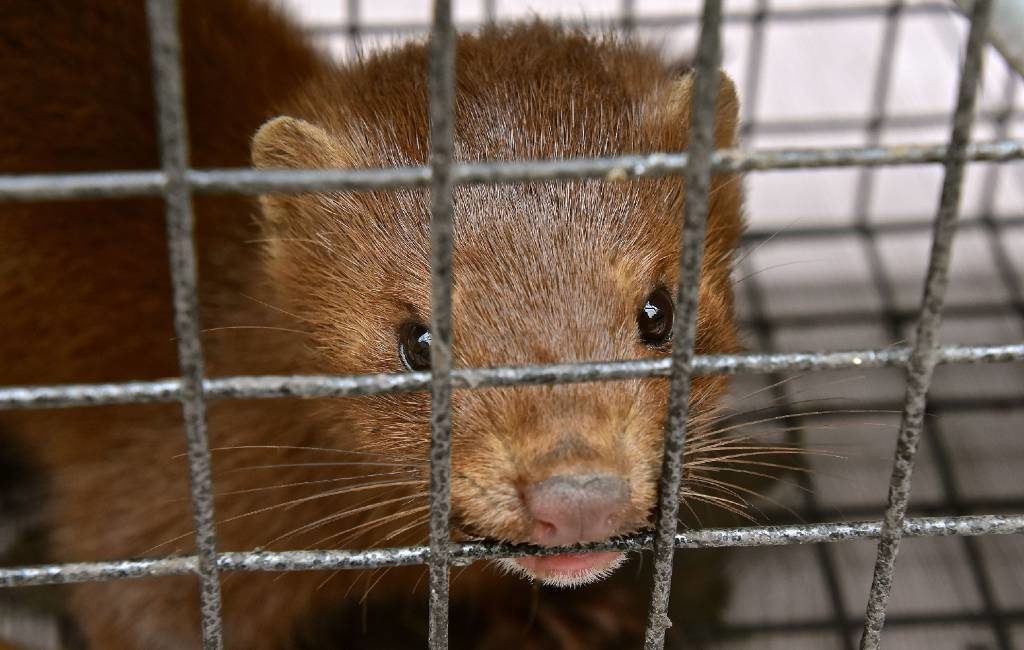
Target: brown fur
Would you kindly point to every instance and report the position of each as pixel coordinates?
(543, 272)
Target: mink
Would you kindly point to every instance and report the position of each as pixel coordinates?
(339, 282)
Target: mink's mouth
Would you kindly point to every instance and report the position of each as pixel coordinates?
(566, 570)
(563, 570)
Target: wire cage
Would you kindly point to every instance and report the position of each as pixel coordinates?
(782, 326)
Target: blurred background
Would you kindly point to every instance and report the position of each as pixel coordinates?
(834, 259)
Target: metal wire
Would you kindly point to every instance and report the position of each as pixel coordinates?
(750, 536)
(925, 350)
(162, 16)
(684, 327)
(176, 182)
(442, 148)
(270, 386)
(665, 20)
(34, 187)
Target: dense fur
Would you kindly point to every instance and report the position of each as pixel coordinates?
(321, 283)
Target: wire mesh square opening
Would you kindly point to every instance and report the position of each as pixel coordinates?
(888, 325)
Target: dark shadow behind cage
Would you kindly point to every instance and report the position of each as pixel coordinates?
(803, 591)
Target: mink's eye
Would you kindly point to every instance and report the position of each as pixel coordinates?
(414, 346)
(655, 318)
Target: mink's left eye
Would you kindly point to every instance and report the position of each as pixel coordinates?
(414, 346)
(654, 319)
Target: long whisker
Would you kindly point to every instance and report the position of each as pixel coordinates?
(333, 450)
(275, 308)
(347, 536)
(701, 444)
(358, 463)
(761, 244)
(786, 416)
(780, 265)
(223, 328)
(748, 491)
(291, 503)
(720, 502)
(301, 483)
(341, 515)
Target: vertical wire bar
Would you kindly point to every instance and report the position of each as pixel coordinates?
(165, 44)
(352, 13)
(697, 180)
(442, 136)
(490, 11)
(924, 353)
(755, 55)
(864, 193)
(627, 17)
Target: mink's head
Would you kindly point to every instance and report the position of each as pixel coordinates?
(544, 272)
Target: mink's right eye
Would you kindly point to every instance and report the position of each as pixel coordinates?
(654, 320)
(414, 346)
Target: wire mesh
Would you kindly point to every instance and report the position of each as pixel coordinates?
(176, 182)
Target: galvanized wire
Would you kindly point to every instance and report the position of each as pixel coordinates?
(704, 90)
(34, 187)
(313, 386)
(176, 182)
(162, 16)
(661, 20)
(925, 351)
(744, 537)
(442, 149)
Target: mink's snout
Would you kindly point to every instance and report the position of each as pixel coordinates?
(568, 508)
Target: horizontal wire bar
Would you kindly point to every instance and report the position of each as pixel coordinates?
(862, 123)
(309, 386)
(657, 20)
(120, 184)
(931, 620)
(895, 226)
(466, 553)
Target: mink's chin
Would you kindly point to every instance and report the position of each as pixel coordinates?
(566, 570)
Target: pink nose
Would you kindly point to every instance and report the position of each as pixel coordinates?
(576, 508)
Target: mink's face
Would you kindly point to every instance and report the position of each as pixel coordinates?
(543, 273)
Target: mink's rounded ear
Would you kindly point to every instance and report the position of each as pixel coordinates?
(727, 106)
(290, 143)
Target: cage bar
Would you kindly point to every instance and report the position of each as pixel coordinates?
(441, 73)
(925, 350)
(317, 560)
(165, 44)
(34, 187)
(353, 28)
(175, 182)
(665, 20)
(684, 326)
(311, 386)
(172, 128)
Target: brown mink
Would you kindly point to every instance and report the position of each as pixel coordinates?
(338, 282)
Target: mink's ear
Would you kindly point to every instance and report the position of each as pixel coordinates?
(291, 143)
(727, 106)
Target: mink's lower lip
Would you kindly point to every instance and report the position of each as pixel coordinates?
(569, 565)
